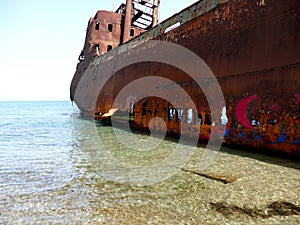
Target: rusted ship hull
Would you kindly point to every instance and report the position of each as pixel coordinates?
(253, 49)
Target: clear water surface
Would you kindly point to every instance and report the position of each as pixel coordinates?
(49, 174)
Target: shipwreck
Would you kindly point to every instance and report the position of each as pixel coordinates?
(251, 46)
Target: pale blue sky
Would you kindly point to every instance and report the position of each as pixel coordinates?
(40, 42)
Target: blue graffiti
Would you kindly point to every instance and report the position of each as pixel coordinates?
(281, 138)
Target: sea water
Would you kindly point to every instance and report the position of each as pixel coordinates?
(52, 171)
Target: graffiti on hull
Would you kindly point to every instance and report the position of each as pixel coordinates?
(265, 121)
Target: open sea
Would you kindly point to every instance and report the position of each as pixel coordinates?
(53, 170)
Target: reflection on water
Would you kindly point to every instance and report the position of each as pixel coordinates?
(61, 184)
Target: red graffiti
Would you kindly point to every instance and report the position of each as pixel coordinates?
(275, 107)
(240, 111)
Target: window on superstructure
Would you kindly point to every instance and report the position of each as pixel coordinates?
(131, 32)
(81, 56)
(97, 46)
(97, 27)
(110, 27)
(109, 47)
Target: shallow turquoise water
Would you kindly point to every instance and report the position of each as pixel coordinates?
(52, 171)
